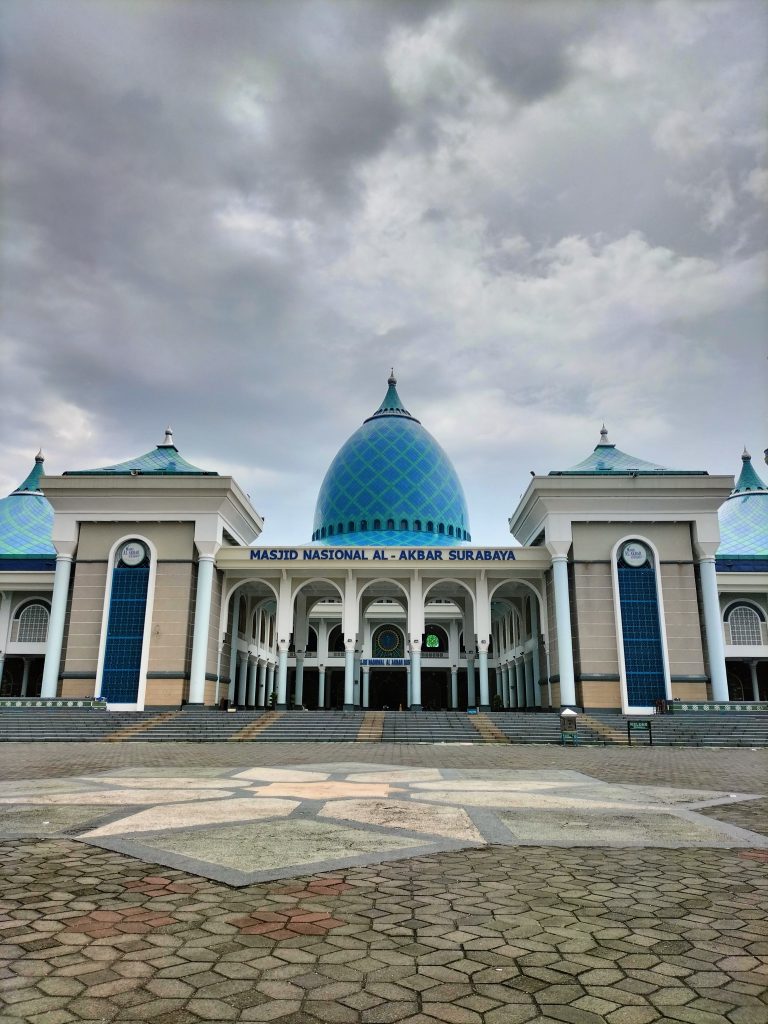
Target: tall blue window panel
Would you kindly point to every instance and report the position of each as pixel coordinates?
(640, 626)
(125, 634)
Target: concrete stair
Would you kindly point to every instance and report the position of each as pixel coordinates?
(200, 725)
(429, 727)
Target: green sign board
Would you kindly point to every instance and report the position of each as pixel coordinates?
(639, 726)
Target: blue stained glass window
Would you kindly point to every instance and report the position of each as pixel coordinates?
(641, 630)
(125, 635)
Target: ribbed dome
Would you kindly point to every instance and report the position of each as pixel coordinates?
(391, 484)
(26, 519)
(744, 517)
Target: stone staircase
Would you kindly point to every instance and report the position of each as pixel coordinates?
(429, 727)
(200, 725)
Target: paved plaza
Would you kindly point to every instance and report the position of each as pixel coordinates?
(372, 883)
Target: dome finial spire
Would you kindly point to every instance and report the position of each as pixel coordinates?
(745, 456)
(392, 380)
(604, 437)
(167, 441)
(39, 457)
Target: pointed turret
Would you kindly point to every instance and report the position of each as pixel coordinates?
(744, 523)
(167, 441)
(26, 520)
(31, 484)
(392, 404)
(748, 478)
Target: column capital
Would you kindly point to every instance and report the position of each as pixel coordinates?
(414, 646)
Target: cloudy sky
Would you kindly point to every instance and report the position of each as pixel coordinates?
(235, 216)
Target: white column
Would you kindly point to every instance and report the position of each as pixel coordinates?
(270, 683)
(512, 684)
(5, 622)
(242, 680)
(535, 655)
(233, 653)
(200, 630)
(282, 673)
(407, 686)
(250, 698)
(504, 685)
(520, 682)
(262, 695)
(528, 671)
(25, 677)
(415, 675)
(454, 687)
(564, 637)
(482, 673)
(349, 675)
(366, 686)
(321, 686)
(755, 684)
(471, 698)
(56, 626)
(715, 648)
(299, 694)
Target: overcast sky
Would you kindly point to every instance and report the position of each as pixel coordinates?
(235, 216)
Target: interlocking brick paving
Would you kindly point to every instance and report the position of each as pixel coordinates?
(737, 769)
(492, 935)
(480, 936)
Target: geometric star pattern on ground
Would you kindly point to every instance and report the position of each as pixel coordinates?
(244, 826)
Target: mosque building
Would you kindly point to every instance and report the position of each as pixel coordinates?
(146, 584)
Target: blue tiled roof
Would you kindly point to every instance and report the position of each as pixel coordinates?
(609, 460)
(26, 520)
(161, 461)
(391, 470)
(744, 518)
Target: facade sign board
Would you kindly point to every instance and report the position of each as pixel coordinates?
(354, 554)
(386, 662)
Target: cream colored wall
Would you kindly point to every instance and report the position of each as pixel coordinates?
(171, 618)
(77, 687)
(600, 694)
(690, 691)
(595, 621)
(165, 692)
(594, 541)
(83, 624)
(682, 620)
(172, 540)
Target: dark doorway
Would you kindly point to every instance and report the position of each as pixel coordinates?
(388, 689)
(435, 687)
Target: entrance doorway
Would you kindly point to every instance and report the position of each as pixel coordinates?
(388, 689)
(435, 689)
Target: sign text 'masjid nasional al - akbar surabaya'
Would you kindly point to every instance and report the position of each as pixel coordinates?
(384, 554)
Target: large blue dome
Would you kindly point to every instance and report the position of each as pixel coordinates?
(391, 484)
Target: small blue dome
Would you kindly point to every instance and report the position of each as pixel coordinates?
(391, 484)
(744, 518)
(26, 520)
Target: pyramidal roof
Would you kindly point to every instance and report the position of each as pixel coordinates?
(392, 404)
(164, 460)
(744, 520)
(608, 460)
(26, 519)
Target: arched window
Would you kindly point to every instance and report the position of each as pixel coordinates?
(387, 642)
(450, 531)
(322, 533)
(124, 645)
(403, 524)
(390, 524)
(430, 527)
(377, 524)
(435, 639)
(311, 640)
(340, 528)
(440, 528)
(363, 525)
(330, 530)
(30, 625)
(350, 527)
(744, 623)
(336, 641)
(640, 624)
(417, 525)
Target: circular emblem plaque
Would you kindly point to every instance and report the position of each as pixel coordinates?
(133, 553)
(634, 554)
